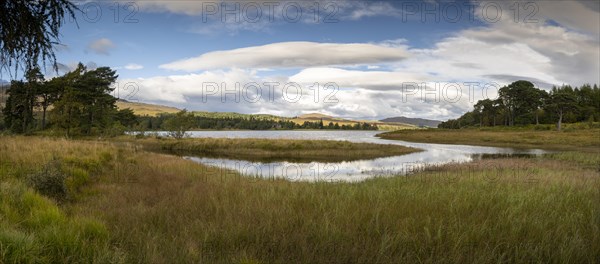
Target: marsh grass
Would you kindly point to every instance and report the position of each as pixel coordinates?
(37, 176)
(275, 150)
(570, 139)
(143, 207)
(502, 210)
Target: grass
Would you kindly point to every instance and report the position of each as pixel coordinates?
(154, 208)
(276, 150)
(509, 210)
(37, 178)
(570, 139)
(143, 109)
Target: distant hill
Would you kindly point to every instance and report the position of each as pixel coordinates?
(319, 116)
(313, 117)
(412, 121)
(153, 110)
(146, 109)
(235, 115)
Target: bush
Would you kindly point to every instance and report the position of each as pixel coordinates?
(50, 181)
(116, 129)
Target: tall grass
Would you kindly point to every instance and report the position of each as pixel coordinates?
(576, 139)
(33, 228)
(507, 210)
(275, 150)
(142, 207)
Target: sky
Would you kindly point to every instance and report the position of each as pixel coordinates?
(354, 59)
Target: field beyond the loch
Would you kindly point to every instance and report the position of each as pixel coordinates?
(572, 138)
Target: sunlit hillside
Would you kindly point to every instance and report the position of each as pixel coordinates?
(143, 109)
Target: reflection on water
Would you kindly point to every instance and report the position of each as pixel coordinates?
(433, 154)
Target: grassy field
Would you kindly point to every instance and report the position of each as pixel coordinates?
(39, 180)
(143, 109)
(275, 150)
(119, 203)
(570, 139)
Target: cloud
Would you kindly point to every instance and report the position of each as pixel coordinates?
(178, 7)
(540, 51)
(576, 15)
(505, 51)
(231, 17)
(353, 9)
(559, 48)
(101, 46)
(133, 67)
(365, 101)
(292, 55)
(374, 80)
(180, 88)
(356, 10)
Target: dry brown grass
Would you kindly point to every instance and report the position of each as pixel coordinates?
(508, 210)
(143, 109)
(276, 150)
(580, 139)
(163, 209)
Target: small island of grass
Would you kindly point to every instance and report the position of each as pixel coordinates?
(275, 150)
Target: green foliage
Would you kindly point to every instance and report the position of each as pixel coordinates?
(249, 122)
(34, 230)
(126, 117)
(81, 99)
(87, 104)
(520, 103)
(18, 112)
(49, 93)
(49, 181)
(561, 101)
(179, 124)
(30, 29)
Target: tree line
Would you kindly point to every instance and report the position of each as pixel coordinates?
(77, 103)
(80, 103)
(521, 103)
(182, 121)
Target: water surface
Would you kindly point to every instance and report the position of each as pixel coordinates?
(433, 154)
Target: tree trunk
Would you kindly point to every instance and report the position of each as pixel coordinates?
(44, 107)
(537, 118)
(512, 119)
(69, 123)
(559, 124)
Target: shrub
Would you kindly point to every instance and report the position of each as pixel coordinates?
(50, 181)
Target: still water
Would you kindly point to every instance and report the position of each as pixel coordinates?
(432, 154)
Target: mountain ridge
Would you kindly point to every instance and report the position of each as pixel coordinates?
(413, 121)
